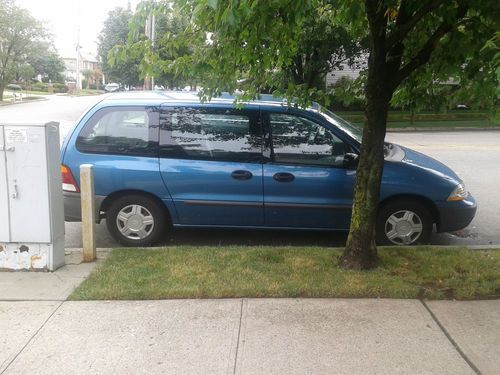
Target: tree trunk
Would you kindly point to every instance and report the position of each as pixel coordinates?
(2, 88)
(361, 251)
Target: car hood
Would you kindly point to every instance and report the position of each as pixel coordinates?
(430, 165)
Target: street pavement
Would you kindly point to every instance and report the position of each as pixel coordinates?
(61, 108)
(474, 155)
(43, 333)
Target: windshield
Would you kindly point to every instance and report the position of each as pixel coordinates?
(351, 129)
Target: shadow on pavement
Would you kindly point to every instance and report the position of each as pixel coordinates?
(240, 237)
(218, 237)
(224, 237)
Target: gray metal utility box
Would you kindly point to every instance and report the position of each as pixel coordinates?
(31, 203)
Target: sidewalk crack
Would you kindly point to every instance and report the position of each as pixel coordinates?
(238, 339)
(453, 342)
(31, 339)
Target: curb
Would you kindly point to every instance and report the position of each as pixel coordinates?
(23, 102)
(441, 129)
(72, 250)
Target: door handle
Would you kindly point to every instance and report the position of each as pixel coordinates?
(284, 177)
(242, 175)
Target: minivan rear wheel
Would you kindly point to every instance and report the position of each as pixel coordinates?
(403, 223)
(136, 220)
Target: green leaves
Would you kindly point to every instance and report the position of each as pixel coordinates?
(118, 63)
(212, 4)
(20, 33)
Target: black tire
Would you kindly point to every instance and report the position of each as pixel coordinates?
(396, 209)
(140, 233)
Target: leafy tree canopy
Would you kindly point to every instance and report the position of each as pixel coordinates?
(115, 32)
(46, 62)
(26, 72)
(19, 34)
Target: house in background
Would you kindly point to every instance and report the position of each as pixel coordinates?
(353, 72)
(86, 63)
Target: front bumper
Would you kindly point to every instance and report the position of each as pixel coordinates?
(73, 206)
(455, 215)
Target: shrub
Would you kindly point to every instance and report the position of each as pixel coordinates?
(60, 88)
(40, 86)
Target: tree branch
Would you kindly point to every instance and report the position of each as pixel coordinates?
(424, 55)
(405, 23)
(403, 15)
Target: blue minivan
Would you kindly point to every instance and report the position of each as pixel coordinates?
(164, 160)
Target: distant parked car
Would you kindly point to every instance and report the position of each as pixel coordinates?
(13, 87)
(164, 160)
(112, 87)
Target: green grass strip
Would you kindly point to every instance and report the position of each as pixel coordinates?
(225, 272)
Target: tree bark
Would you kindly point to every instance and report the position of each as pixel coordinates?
(361, 251)
(2, 88)
(384, 75)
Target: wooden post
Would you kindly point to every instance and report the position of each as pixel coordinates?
(88, 212)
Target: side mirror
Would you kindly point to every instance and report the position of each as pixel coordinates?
(350, 160)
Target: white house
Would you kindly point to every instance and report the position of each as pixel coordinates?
(86, 63)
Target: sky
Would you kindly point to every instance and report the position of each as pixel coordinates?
(63, 18)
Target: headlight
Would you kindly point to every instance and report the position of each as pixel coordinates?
(459, 193)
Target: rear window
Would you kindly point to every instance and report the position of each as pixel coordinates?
(125, 130)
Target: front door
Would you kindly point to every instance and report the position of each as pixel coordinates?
(211, 163)
(305, 183)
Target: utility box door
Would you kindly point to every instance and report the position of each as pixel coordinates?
(4, 194)
(27, 184)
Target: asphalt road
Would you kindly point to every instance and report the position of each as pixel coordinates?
(63, 109)
(474, 155)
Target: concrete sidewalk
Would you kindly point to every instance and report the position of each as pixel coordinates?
(42, 333)
(48, 286)
(249, 336)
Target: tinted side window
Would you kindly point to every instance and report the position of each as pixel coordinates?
(121, 130)
(297, 140)
(205, 134)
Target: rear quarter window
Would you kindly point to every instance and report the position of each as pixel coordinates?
(121, 130)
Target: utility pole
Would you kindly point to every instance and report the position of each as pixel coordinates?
(149, 31)
(78, 80)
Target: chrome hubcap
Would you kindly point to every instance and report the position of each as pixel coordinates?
(135, 222)
(403, 227)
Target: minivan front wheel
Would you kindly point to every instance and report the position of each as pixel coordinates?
(404, 222)
(136, 220)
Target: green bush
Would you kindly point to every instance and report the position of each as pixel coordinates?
(60, 88)
(40, 86)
